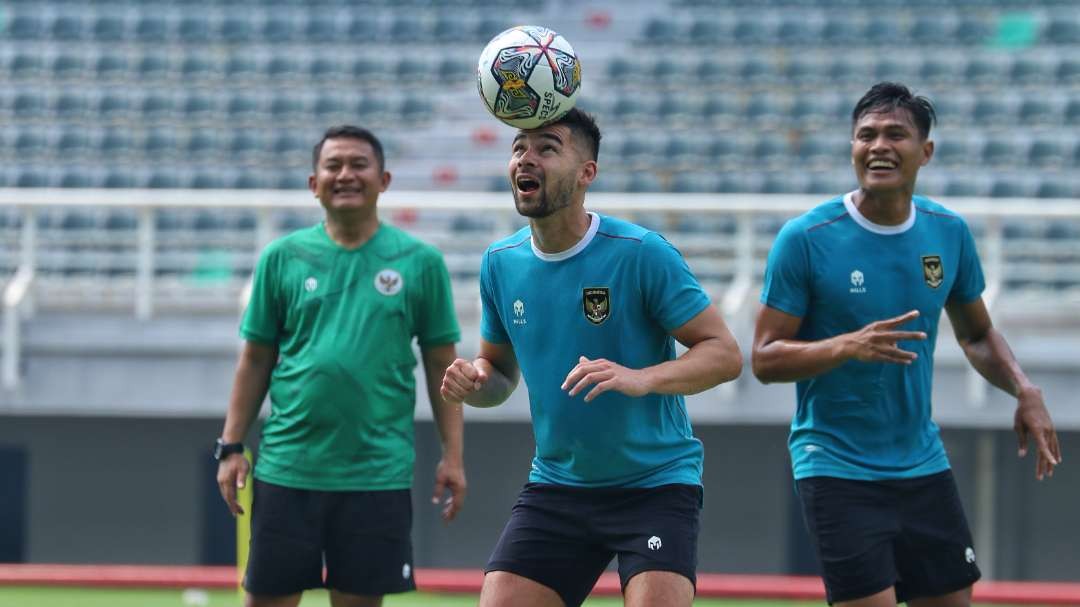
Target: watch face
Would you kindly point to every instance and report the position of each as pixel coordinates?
(217, 450)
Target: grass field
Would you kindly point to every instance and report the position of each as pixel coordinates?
(95, 597)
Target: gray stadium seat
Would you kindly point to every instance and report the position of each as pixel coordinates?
(973, 31)
(241, 68)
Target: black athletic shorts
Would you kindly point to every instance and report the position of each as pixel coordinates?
(870, 535)
(564, 537)
(362, 537)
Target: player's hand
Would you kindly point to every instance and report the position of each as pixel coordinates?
(449, 476)
(604, 375)
(876, 342)
(232, 475)
(461, 379)
(1032, 421)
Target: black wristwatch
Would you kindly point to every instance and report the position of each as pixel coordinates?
(223, 449)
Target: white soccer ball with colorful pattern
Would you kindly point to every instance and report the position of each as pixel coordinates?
(528, 76)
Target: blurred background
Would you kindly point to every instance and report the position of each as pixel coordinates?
(149, 149)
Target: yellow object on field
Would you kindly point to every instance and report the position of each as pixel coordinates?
(243, 525)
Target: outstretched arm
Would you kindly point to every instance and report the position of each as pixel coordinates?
(252, 379)
(779, 357)
(712, 357)
(450, 471)
(987, 350)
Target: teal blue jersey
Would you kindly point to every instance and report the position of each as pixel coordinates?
(616, 295)
(838, 272)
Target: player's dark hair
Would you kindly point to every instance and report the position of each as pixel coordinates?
(348, 131)
(888, 96)
(583, 125)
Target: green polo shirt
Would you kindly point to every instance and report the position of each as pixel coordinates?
(343, 391)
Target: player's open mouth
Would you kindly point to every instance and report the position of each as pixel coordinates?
(881, 165)
(526, 184)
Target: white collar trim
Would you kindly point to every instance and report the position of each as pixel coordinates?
(866, 224)
(594, 225)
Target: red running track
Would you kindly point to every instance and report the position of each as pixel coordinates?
(714, 585)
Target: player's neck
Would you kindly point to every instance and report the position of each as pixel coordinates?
(890, 208)
(561, 230)
(351, 230)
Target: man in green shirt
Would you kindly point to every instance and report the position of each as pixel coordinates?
(328, 333)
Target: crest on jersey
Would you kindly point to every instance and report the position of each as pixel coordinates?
(932, 271)
(388, 282)
(596, 303)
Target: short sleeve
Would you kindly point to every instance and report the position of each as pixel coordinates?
(970, 282)
(262, 320)
(672, 293)
(492, 328)
(437, 321)
(786, 286)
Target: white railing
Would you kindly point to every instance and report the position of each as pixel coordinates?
(146, 268)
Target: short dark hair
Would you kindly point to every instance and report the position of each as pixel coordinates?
(888, 96)
(349, 131)
(583, 125)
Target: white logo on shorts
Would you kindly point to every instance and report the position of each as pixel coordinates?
(969, 555)
(405, 571)
(655, 543)
(311, 284)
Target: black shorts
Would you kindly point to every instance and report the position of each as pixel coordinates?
(362, 537)
(564, 537)
(870, 535)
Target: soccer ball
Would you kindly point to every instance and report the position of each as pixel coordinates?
(528, 76)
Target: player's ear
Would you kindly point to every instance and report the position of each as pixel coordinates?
(385, 181)
(588, 172)
(928, 151)
(313, 185)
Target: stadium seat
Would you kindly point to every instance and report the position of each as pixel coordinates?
(990, 70)
(449, 28)
(279, 29)
(1008, 188)
(153, 67)
(990, 111)
(194, 29)
(675, 108)
(198, 68)
(661, 31)
(643, 181)
(322, 67)
(1072, 113)
(68, 28)
(29, 106)
(770, 152)
(712, 72)
(896, 68)
(71, 106)
(151, 28)
(806, 71)
(68, 67)
(119, 179)
(930, 30)
(1001, 153)
(1068, 71)
(246, 144)
(329, 108)
(236, 30)
(363, 28)
(961, 187)
(372, 108)
(199, 106)
(30, 143)
(883, 31)
(1056, 188)
(764, 110)
(159, 144)
(243, 106)
(73, 142)
(111, 66)
(940, 71)
(413, 71)
(201, 144)
(113, 106)
(76, 178)
(629, 109)
(241, 68)
(323, 30)
(752, 31)
(157, 107)
(207, 180)
(416, 108)
(285, 107)
(26, 27)
(1062, 29)
(973, 31)
(840, 31)
(31, 178)
(166, 180)
(666, 72)
(798, 30)
(755, 71)
(110, 29)
(406, 28)
(25, 66)
(1031, 71)
(693, 182)
(953, 152)
(1038, 111)
(453, 70)
(115, 143)
(281, 67)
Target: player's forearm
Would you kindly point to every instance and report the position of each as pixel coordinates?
(449, 422)
(994, 360)
(496, 389)
(704, 365)
(249, 389)
(789, 360)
